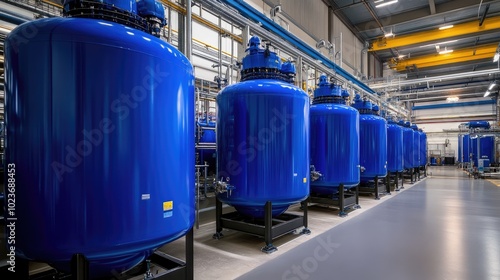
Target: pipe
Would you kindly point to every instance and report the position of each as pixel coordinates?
(189, 33)
(169, 34)
(31, 8)
(8, 17)
(220, 47)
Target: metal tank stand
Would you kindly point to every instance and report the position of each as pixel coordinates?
(269, 228)
(159, 266)
(402, 180)
(342, 200)
(393, 180)
(375, 189)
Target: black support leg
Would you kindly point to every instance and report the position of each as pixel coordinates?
(388, 183)
(218, 223)
(268, 224)
(402, 180)
(377, 197)
(79, 267)
(342, 212)
(357, 206)
(190, 255)
(304, 203)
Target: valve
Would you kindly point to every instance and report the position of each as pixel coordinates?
(361, 168)
(223, 187)
(315, 175)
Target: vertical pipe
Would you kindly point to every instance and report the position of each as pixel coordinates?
(220, 47)
(341, 47)
(169, 39)
(230, 81)
(300, 77)
(189, 35)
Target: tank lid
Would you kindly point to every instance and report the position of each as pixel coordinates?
(325, 88)
(479, 124)
(262, 63)
(364, 106)
(145, 15)
(414, 127)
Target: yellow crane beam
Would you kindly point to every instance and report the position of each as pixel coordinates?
(472, 27)
(461, 55)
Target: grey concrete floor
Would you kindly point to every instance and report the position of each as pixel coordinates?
(444, 228)
(237, 253)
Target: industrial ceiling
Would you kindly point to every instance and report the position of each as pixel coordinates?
(419, 39)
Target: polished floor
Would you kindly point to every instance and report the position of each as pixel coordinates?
(446, 227)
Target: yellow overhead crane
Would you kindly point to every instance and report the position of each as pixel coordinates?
(460, 55)
(462, 29)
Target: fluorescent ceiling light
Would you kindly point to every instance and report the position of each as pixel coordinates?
(487, 93)
(390, 34)
(386, 4)
(492, 86)
(445, 51)
(496, 57)
(440, 43)
(446, 27)
(5, 30)
(452, 99)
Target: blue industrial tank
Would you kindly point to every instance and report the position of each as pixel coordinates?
(334, 139)
(408, 144)
(394, 147)
(466, 150)
(460, 153)
(487, 147)
(205, 133)
(263, 136)
(100, 122)
(423, 147)
(372, 140)
(474, 149)
(416, 146)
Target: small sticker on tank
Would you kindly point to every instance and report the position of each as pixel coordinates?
(304, 180)
(294, 174)
(168, 214)
(145, 196)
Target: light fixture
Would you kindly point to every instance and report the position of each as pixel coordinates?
(487, 93)
(496, 57)
(386, 4)
(446, 27)
(390, 34)
(446, 50)
(5, 30)
(491, 86)
(452, 99)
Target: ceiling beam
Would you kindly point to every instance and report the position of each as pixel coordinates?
(491, 24)
(448, 7)
(461, 55)
(432, 7)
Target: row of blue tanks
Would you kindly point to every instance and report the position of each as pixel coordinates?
(477, 144)
(99, 153)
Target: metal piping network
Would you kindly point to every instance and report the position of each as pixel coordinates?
(265, 27)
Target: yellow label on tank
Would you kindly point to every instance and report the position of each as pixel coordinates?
(168, 205)
(304, 180)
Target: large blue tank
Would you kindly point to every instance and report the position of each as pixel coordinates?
(394, 147)
(372, 140)
(206, 136)
(487, 148)
(100, 122)
(416, 145)
(334, 139)
(466, 148)
(408, 144)
(423, 147)
(263, 136)
(460, 152)
(474, 149)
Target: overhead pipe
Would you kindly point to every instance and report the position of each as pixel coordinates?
(8, 17)
(451, 105)
(33, 9)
